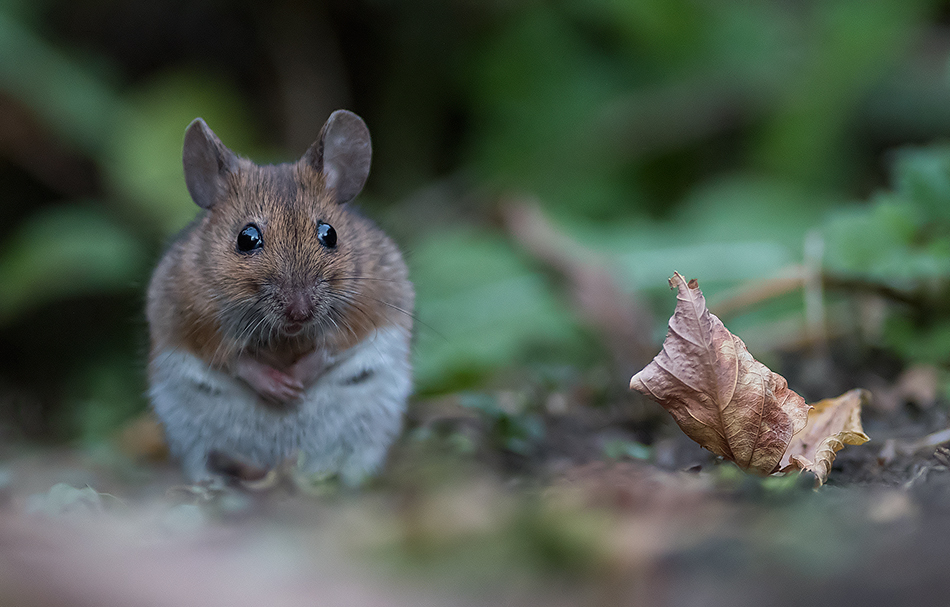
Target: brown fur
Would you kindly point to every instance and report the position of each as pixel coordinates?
(202, 295)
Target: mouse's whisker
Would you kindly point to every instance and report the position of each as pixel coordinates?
(339, 315)
(399, 309)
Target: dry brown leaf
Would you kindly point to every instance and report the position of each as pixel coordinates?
(720, 396)
(832, 424)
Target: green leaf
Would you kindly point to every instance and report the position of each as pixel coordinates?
(923, 177)
(518, 430)
(144, 161)
(64, 252)
(480, 307)
(930, 343)
(77, 103)
(876, 241)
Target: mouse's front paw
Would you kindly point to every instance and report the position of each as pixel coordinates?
(272, 384)
(309, 368)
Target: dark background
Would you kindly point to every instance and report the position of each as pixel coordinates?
(706, 137)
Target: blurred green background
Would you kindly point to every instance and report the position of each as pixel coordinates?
(706, 137)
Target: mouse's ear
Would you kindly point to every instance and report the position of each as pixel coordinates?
(206, 162)
(343, 154)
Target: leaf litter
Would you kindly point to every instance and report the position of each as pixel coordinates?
(832, 424)
(735, 406)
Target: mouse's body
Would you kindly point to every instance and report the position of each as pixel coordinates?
(280, 319)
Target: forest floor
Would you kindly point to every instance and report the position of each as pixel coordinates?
(482, 506)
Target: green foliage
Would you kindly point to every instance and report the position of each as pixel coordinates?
(570, 101)
(490, 537)
(902, 236)
(65, 251)
(479, 307)
(512, 428)
(105, 393)
(619, 448)
(703, 137)
(927, 342)
(76, 101)
(144, 159)
(901, 240)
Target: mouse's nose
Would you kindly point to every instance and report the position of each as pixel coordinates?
(299, 307)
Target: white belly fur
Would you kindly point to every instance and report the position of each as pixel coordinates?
(342, 425)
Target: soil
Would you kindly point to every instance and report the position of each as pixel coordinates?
(535, 496)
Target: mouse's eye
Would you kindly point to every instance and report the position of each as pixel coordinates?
(249, 239)
(326, 235)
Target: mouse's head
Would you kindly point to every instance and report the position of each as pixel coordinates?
(281, 255)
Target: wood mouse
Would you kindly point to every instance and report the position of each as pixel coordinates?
(280, 318)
